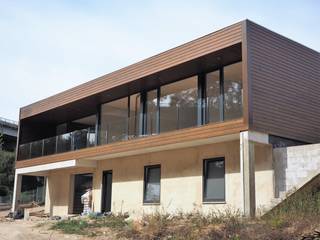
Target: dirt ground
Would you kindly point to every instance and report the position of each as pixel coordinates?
(28, 230)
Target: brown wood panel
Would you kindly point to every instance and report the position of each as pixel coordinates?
(284, 85)
(179, 136)
(210, 43)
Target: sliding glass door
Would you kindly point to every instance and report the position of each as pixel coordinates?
(205, 98)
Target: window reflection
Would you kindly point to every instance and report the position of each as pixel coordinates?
(134, 116)
(233, 91)
(114, 119)
(213, 96)
(178, 105)
(151, 112)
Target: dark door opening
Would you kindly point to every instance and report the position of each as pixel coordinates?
(81, 183)
(106, 191)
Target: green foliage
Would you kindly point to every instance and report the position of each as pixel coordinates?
(75, 226)
(303, 203)
(7, 160)
(85, 226)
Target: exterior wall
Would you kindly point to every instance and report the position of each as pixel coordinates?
(181, 181)
(295, 166)
(264, 177)
(284, 86)
(59, 191)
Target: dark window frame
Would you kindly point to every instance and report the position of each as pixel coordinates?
(204, 178)
(145, 184)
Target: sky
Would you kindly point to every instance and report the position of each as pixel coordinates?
(50, 46)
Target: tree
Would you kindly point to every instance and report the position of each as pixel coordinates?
(6, 171)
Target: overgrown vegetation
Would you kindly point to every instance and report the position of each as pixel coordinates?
(298, 216)
(300, 210)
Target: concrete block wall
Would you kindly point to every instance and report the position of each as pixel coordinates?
(295, 166)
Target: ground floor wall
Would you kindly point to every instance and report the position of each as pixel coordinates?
(181, 181)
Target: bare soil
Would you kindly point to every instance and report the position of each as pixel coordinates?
(28, 230)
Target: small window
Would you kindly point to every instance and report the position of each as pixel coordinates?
(214, 180)
(152, 184)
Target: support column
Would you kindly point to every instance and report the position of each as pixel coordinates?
(248, 139)
(247, 175)
(47, 201)
(16, 191)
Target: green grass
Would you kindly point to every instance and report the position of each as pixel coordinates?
(78, 226)
(88, 225)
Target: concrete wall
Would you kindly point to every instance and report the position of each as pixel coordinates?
(294, 166)
(59, 190)
(264, 177)
(181, 180)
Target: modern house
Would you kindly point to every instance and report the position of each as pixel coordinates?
(194, 127)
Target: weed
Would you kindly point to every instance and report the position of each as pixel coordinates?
(74, 226)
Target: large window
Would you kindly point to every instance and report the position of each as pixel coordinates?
(213, 93)
(214, 180)
(134, 115)
(152, 112)
(178, 104)
(224, 93)
(114, 121)
(121, 119)
(152, 175)
(232, 91)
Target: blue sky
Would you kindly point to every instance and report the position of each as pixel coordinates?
(49, 46)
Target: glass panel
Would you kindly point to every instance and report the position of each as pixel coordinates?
(36, 149)
(213, 96)
(91, 137)
(114, 121)
(233, 91)
(24, 151)
(134, 113)
(80, 139)
(151, 109)
(152, 184)
(215, 182)
(64, 143)
(49, 146)
(178, 104)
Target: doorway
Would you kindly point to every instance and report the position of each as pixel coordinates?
(106, 191)
(81, 183)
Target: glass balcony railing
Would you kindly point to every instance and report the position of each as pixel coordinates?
(120, 130)
(62, 143)
(130, 128)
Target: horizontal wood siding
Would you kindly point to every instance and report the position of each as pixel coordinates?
(186, 52)
(179, 136)
(284, 85)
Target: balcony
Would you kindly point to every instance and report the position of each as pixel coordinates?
(114, 131)
(213, 97)
(58, 144)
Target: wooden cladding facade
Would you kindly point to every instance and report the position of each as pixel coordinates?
(200, 47)
(284, 85)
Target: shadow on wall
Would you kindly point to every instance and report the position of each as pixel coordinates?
(187, 162)
(280, 156)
